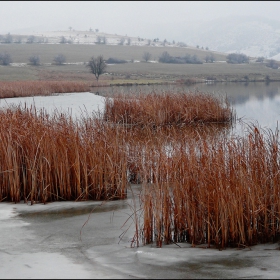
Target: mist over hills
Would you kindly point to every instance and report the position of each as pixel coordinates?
(251, 35)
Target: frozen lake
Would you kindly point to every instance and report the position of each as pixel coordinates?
(53, 241)
(62, 239)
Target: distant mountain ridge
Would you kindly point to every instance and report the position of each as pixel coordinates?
(253, 36)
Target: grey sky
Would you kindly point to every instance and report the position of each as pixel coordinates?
(146, 19)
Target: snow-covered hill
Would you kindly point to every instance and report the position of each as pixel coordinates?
(94, 37)
(253, 36)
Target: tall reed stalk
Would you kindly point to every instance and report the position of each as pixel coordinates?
(222, 193)
(49, 158)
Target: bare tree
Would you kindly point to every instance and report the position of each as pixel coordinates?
(121, 41)
(5, 59)
(30, 39)
(63, 40)
(59, 59)
(272, 64)
(165, 57)
(146, 56)
(8, 39)
(34, 60)
(128, 42)
(98, 40)
(260, 59)
(97, 66)
(209, 58)
(237, 58)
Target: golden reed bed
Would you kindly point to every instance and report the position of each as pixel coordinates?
(42, 88)
(199, 184)
(167, 108)
(222, 193)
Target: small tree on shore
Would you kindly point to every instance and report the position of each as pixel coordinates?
(121, 43)
(34, 60)
(209, 58)
(63, 40)
(146, 56)
(8, 39)
(237, 58)
(30, 39)
(5, 59)
(272, 64)
(260, 59)
(59, 59)
(97, 66)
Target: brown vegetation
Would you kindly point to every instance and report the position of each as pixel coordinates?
(205, 191)
(157, 109)
(35, 88)
(200, 184)
(49, 158)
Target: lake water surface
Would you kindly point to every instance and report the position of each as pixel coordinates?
(257, 103)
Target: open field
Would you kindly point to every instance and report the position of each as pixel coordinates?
(20, 53)
(138, 72)
(211, 71)
(142, 72)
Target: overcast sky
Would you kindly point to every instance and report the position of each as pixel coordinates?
(146, 19)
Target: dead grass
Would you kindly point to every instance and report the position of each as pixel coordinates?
(166, 108)
(200, 185)
(35, 88)
(50, 158)
(222, 193)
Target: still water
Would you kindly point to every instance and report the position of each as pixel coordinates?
(257, 103)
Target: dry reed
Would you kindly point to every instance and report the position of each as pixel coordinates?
(161, 109)
(200, 185)
(48, 158)
(43, 88)
(222, 193)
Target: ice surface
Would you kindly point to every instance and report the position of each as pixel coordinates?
(44, 241)
(75, 104)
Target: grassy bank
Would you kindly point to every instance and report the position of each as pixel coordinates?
(135, 71)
